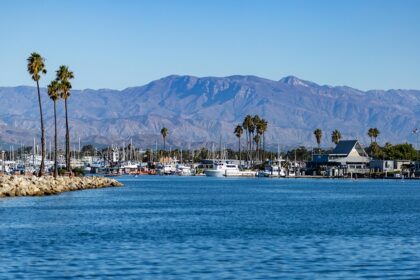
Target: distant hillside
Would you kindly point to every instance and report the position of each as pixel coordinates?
(201, 110)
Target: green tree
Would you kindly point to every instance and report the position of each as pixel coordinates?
(336, 136)
(164, 132)
(238, 133)
(257, 139)
(375, 151)
(64, 75)
(375, 133)
(88, 149)
(318, 137)
(54, 94)
(36, 67)
(301, 154)
(261, 127)
(370, 134)
(248, 125)
(400, 151)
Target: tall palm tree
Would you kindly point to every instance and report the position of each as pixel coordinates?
(264, 126)
(336, 136)
(36, 67)
(318, 136)
(248, 126)
(375, 133)
(256, 121)
(257, 139)
(164, 131)
(370, 134)
(64, 75)
(54, 94)
(261, 127)
(238, 133)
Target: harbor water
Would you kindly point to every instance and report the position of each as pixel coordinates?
(168, 227)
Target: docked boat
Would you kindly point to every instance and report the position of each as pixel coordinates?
(223, 168)
(272, 171)
(166, 169)
(183, 170)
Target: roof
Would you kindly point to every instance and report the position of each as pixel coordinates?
(344, 147)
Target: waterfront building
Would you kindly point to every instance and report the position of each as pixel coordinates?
(347, 158)
(380, 165)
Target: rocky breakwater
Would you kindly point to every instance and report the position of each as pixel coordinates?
(36, 186)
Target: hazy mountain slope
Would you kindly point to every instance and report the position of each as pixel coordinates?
(200, 110)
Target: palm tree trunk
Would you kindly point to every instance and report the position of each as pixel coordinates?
(252, 149)
(67, 139)
(164, 146)
(246, 147)
(42, 167)
(249, 148)
(263, 147)
(55, 140)
(239, 150)
(256, 152)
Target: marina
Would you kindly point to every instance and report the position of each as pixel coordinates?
(210, 140)
(189, 228)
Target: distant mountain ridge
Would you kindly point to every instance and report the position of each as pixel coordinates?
(201, 110)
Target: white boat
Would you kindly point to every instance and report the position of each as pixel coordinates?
(183, 170)
(165, 169)
(292, 173)
(223, 168)
(272, 171)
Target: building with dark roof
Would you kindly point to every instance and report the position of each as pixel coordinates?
(348, 157)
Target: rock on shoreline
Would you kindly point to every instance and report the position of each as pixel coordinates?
(37, 186)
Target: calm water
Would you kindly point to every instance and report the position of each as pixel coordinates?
(209, 228)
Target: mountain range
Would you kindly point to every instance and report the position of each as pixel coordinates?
(199, 111)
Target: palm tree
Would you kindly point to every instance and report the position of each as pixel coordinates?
(238, 133)
(318, 136)
(336, 136)
(264, 126)
(54, 94)
(257, 139)
(248, 126)
(261, 127)
(251, 130)
(164, 131)
(36, 67)
(375, 133)
(64, 75)
(370, 134)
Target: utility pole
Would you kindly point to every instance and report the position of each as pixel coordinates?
(416, 132)
(33, 153)
(4, 164)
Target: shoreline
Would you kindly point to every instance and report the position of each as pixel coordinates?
(11, 185)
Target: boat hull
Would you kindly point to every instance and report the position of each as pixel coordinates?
(214, 173)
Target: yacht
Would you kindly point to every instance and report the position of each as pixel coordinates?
(165, 169)
(223, 168)
(272, 171)
(183, 170)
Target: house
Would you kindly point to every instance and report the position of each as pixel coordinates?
(379, 165)
(399, 165)
(347, 158)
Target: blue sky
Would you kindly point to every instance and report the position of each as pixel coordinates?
(117, 44)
